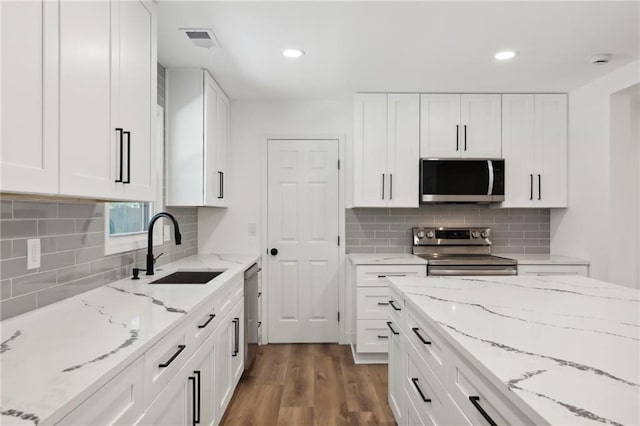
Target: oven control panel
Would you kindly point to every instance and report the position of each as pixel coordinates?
(438, 236)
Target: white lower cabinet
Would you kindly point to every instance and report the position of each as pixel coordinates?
(187, 377)
(119, 402)
(374, 306)
(439, 387)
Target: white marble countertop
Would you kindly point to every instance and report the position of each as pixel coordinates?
(567, 347)
(386, 259)
(544, 259)
(52, 358)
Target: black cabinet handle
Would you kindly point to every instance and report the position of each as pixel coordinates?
(383, 303)
(457, 137)
(383, 186)
(393, 305)
(391, 186)
(211, 317)
(465, 137)
(392, 275)
(121, 143)
(174, 356)
(415, 330)
(128, 158)
(222, 185)
(395, 333)
(236, 344)
(531, 187)
(196, 420)
(415, 383)
(475, 400)
(539, 187)
(382, 336)
(194, 409)
(220, 174)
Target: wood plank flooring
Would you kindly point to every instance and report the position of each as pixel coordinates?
(310, 385)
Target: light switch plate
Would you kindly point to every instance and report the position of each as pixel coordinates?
(166, 233)
(252, 229)
(33, 253)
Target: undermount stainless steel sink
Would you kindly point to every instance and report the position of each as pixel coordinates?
(188, 277)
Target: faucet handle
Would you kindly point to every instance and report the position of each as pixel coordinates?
(156, 258)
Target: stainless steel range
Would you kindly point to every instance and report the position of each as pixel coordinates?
(460, 251)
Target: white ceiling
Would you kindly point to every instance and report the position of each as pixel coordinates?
(399, 46)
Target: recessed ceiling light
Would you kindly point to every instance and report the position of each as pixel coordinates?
(505, 54)
(292, 53)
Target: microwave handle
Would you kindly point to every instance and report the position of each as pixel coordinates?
(490, 166)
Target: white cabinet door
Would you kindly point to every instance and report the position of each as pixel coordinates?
(210, 174)
(203, 370)
(480, 126)
(29, 132)
(370, 151)
(135, 68)
(222, 148)
(224, 348)
(88, 141)
(440, 125)
(173, 406)
(403, 149)
(518, 149)
(396, 372)
(551, 150)
(237, 356)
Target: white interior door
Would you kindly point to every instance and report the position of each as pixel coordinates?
(303, 214)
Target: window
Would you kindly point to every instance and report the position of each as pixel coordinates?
(127, 223)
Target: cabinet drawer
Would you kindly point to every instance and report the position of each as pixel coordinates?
(396, 307)
(370, 276)
(165, 358)
(468, 383)
(205, 320)
(120, 401)
(428, 343)
(372, 302)
(553, 270)
(372, 336)
(424, 390)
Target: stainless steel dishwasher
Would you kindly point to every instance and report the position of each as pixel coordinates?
(251, 313)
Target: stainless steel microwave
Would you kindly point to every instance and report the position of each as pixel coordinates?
(458, 180)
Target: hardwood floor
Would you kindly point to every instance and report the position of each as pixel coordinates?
(310, 385)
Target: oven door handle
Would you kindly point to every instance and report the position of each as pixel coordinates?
(461, 272)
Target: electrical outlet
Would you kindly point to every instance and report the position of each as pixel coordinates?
(252, 229)
(33, 253)
(167, 233)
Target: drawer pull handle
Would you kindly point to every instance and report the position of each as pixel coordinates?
(392, 275)
(415, 383)
(475, 400)
(383, 303)
(381, 336)
(174, 356)
(393, 305)
(211, 317)
(415, 330)
(391, 328)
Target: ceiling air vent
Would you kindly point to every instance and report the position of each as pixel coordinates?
(201, 37)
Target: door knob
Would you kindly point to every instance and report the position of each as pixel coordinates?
(274, 251)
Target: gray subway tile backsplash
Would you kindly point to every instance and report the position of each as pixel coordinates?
(72, 244)
(521, 231)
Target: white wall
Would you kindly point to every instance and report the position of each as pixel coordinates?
(584, 228)
(226, 230)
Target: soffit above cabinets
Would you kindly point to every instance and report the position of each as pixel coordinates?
(398, 46)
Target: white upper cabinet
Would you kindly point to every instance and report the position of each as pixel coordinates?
(386, 150)
(106, 103)
(454, 125)
(534, 129)
(197, 139)
(29, 122)
(78, 94)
